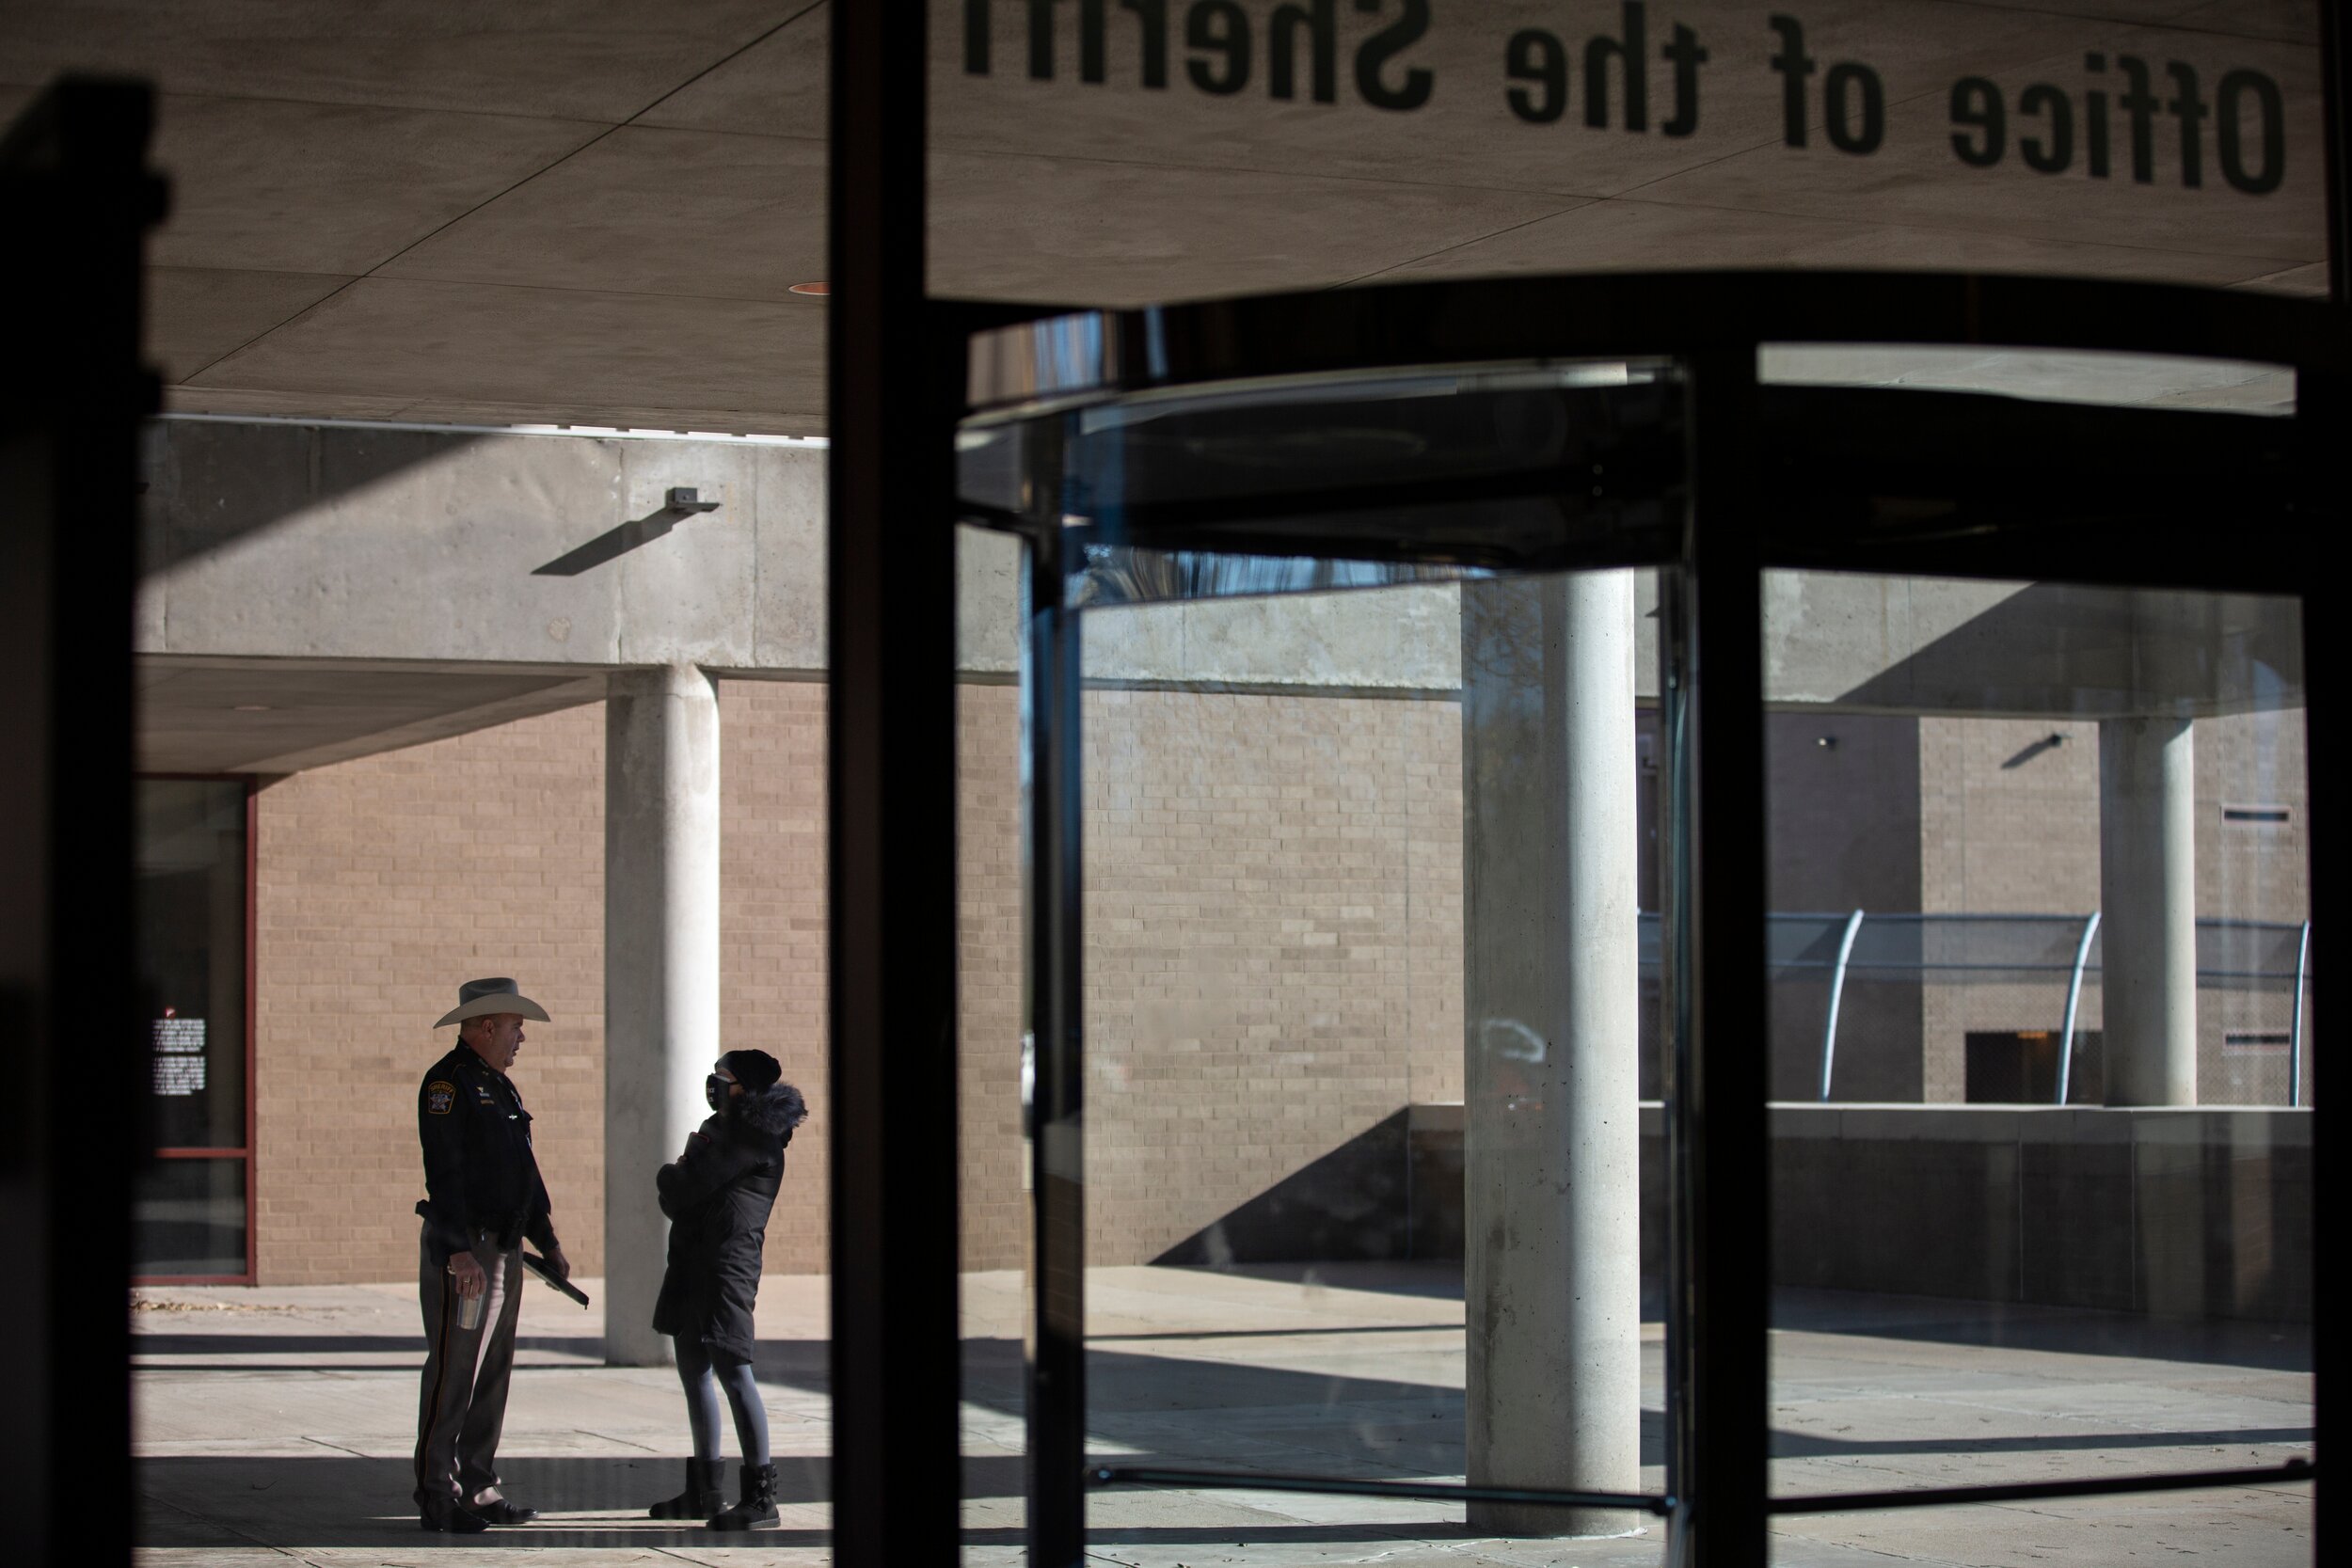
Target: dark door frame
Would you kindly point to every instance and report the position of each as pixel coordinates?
(79, 199)
(248, 1150)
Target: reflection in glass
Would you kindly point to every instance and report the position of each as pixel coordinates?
(191, 934)
(187, 1218)
(2042, 1033)
(1536, 465)
(1364, 1147)
(189, 904)
(2041, 375)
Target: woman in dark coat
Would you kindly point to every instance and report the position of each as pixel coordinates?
(717, 1196)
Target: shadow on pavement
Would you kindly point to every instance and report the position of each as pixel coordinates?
(2062, 1330)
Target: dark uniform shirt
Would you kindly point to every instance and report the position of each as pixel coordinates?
(480, 1174)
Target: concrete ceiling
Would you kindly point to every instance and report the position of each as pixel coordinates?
(592, 210)
(277, 716)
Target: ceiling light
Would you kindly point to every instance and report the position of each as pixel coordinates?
(818, 289)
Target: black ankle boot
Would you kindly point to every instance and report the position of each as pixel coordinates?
(705, 1494)
(757, 1509)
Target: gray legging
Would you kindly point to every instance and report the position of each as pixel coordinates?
(695, 1365)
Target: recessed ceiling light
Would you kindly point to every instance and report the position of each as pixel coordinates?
(819, 289)
(251, 707)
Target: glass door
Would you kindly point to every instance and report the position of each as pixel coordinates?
(191, 1216)
(1345, 1081)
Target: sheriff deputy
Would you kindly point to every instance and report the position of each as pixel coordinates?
(483, 1200)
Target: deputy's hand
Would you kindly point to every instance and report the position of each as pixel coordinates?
(558, 1264)
(472, 1281)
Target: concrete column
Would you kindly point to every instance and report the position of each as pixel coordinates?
(661, 971)
(1551, 1176)
(2148, 902)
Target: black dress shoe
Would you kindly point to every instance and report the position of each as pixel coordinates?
(500, 1512)
(450, 1519)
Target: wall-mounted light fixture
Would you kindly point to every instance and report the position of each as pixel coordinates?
(683, 501)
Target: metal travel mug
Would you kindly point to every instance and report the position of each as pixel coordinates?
(470, 1307)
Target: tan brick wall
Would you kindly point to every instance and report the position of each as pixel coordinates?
(2003, 828)
(1273, 911)
(1273, 928)
(2009, 830)
(989, 999)
(771, 925)
(1273, 956)
(380, 884)
(2253, 871)
(1273, 941)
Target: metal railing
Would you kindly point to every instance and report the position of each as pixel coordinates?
(2026, 951)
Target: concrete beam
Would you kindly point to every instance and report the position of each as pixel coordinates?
(323, 547)
(1938, 645)
(304, 541)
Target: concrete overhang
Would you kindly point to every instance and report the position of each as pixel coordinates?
(319, 592)
(273, 716)
(1862, 643)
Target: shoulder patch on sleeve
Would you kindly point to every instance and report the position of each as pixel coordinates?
(440, 1096)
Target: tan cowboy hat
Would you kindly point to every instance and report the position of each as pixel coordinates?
(497, 994)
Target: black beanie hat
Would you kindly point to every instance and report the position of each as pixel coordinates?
(754, 1070)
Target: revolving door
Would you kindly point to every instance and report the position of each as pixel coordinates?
(1414, 689)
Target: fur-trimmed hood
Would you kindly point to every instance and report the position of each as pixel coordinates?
(775, 1110)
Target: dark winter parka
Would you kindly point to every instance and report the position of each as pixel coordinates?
(717, 1196)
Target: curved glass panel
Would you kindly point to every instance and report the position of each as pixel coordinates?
(1529, 465)
(1368, 1177)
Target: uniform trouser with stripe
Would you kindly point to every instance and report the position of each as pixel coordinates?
(462, 1401)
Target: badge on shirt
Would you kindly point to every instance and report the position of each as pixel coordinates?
(439, 1096)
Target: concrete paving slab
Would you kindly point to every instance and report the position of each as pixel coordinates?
(2228, 1525)
(276, 1424)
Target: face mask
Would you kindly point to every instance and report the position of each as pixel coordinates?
(715, 1091)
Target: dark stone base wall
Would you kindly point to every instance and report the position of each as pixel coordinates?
(2181, 1213)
